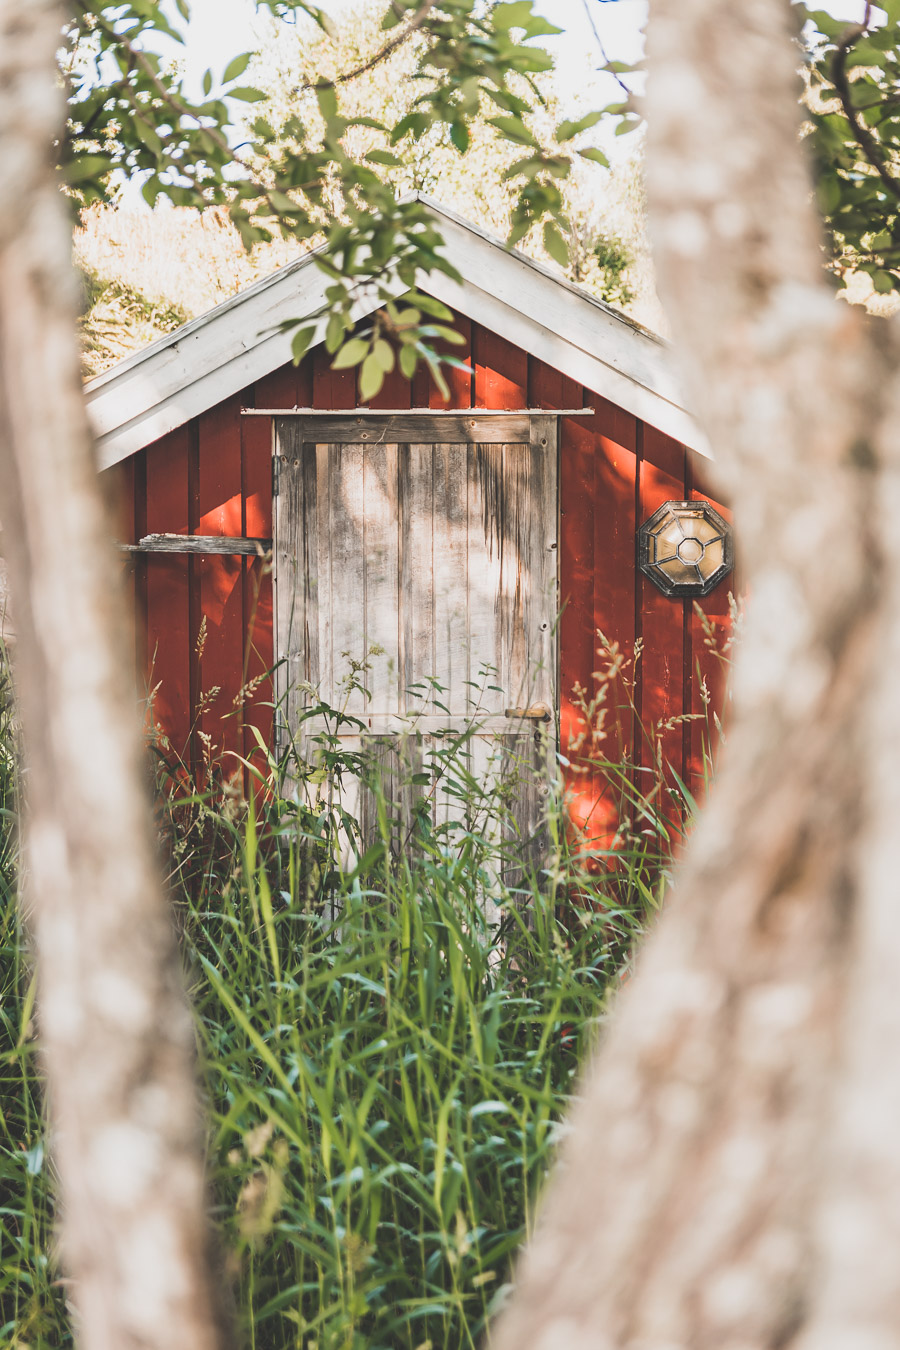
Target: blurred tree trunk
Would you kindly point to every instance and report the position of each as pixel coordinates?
(126, 1130)
(732, 1176)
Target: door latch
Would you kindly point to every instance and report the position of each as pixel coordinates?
(537, 712)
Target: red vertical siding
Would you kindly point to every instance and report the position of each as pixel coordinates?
(118, 484)
(140, 565)
(289, 387)
(332, 388)
(501, 371)
(220, 511)
(662, 621)
(168, 604)
(707, 674)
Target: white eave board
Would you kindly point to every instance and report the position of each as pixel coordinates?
(222, 352)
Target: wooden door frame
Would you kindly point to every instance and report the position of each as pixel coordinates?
(434, 426)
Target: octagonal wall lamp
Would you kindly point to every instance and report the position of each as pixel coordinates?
(685, 548)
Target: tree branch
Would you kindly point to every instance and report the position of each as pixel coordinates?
(866, 141)
(414, 24)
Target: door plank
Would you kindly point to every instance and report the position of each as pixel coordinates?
(381, 561)
(451, 564)
(348, 572)
(484, 579)
(420, 585)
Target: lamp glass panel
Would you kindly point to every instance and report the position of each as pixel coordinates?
(678, 571)
(666, 539)
(703, 529)
(713, 558)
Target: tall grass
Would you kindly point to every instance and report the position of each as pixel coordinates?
(385, 1057)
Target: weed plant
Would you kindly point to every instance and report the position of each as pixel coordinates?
(385, 1056)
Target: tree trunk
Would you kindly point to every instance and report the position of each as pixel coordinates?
(126, 1130)
(732, 1176)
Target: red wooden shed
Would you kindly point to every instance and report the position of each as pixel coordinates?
(547, 510)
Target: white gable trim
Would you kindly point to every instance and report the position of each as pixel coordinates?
(224, 351)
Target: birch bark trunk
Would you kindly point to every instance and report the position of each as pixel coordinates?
(126, 1130)
(731, 1180)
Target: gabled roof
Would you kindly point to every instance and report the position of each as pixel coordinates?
(227, 349)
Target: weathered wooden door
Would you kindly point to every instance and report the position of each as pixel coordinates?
(422, 548)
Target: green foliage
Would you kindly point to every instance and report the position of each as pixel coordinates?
(115, 312)
(129, 113)
(389, 1023)
(32, 1305)
(853, 83)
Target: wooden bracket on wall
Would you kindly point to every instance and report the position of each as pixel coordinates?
(199, 543)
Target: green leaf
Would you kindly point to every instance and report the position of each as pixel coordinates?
(247, 94)
(883, 282)
(146, 134)
(514, 14)
(555, 244)
(184, 9)
(384, 355)
(828, 191)
(409, 359)
(236, 67)
(207, 82)
(459, 135)
(334, 333)
(514, 129)
(371, 377)
(326, 97)
(595, 156)
(351, 354)
(428, 305)
(437, 374)
(383, 157)
(566, 130)
(414, 124)
(87, 166)
(538, 26)
(300, 344)
(439, 330)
